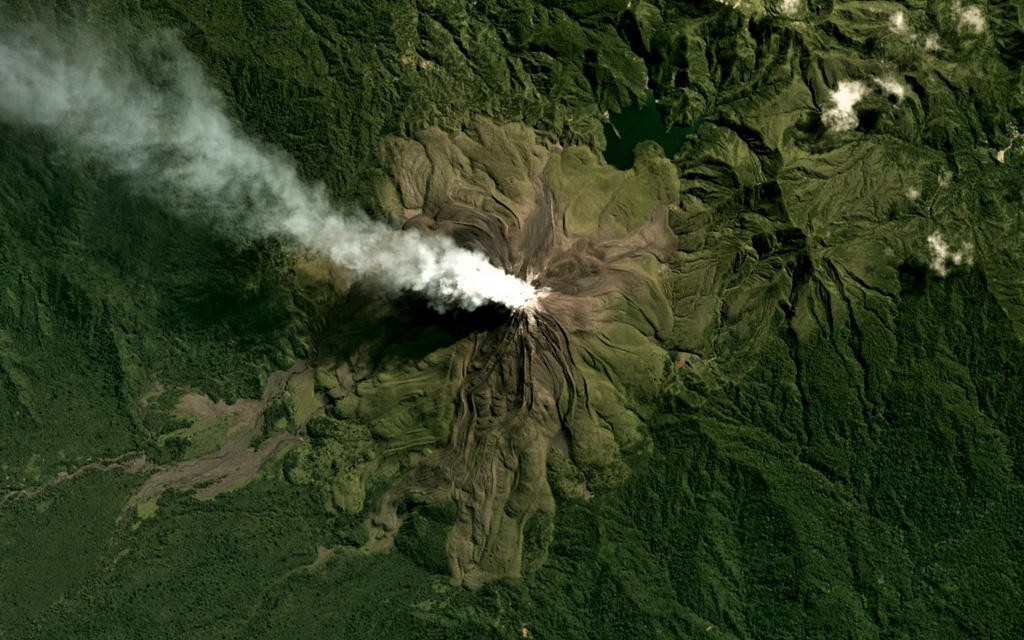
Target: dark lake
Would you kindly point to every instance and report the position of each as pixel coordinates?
(633, 125)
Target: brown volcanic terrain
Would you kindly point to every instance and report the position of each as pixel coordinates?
(593, 239)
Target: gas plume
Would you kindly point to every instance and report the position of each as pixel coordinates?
(157, 121)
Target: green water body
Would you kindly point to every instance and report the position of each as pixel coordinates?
(633, 125)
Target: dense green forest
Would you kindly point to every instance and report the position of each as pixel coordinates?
(829, 445)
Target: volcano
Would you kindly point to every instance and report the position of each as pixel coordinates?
(477, 402)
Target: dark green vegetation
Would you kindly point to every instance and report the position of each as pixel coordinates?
(57, 542)
(842, 458)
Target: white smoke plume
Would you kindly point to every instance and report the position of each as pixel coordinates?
(160, 124)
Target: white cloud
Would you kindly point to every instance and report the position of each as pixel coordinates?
(944, 257)
(892, 87)
(971, 17)
(913, 194)
(898, 22)
(841, 115)
(789, 7)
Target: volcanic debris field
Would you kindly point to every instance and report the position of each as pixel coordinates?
(769, 388)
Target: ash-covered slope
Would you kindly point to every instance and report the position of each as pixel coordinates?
(594, 240)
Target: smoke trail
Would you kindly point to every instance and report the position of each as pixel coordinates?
(159, 122)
